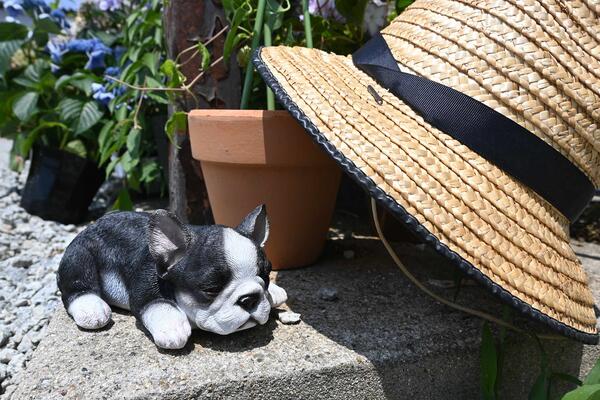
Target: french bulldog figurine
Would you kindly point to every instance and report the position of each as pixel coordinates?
(172, 277)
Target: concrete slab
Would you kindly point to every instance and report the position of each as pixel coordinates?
(380, 339)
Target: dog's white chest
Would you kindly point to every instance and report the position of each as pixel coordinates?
(114, 290)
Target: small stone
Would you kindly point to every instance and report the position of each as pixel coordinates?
(27, 244)
(22, 261)
(288, 317)
(3, 371)
(3, 338)
(6, 355)
(6, 228)
(26, 344)
(328, 294)
(21, 303)
(16, 363)
(348, 254)
(70, 228)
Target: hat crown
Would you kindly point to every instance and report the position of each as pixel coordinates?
(536, 62)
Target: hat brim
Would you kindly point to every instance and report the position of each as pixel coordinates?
(494, 229)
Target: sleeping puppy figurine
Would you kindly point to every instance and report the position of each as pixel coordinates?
(172, 277)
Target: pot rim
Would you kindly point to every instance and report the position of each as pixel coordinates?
(252, 137)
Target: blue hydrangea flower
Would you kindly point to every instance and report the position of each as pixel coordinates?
(101, 95)
(56, 49)
(81, 45)
(109, 5)
(325, 9)
(94, 48)
(69, 5)
(112, 71)
(36, 5)
(14, 8)
(95, 60)
(118, 52)
(60, 18)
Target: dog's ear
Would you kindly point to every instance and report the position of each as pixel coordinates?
(256, 225)
(168, 239)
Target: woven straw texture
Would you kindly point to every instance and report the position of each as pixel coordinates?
(536, 62)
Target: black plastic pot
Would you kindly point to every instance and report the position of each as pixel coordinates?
(60, 185)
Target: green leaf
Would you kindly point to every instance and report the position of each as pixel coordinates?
(171, 70)
(541, 387)
(40, 37)
(150, 171)
(81, 115)
(489, 363)
(69, 109)
(85, 85)
(25, 105)
(593, 377)
(129, 72)
(35, 71)
(7, 50)
(204, 55)
(90, 115)
(129, 162)
(133, 141)
(105, 133)
(402, 4)
(565, 377)
(159, 98)
(233, 39)
(274, 11)
(150, 60)
(76, 147)
(111, 166)
(121, 113)
(177, 122)
(585, 392)
(47, 25)
(106, 38)
(123, 201)
(352, 10)
(78, 80)
(22, 81)
(10, 31)
(31, 138)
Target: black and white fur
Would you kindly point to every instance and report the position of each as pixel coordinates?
(172, 277)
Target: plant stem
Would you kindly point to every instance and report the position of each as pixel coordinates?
(184, 88)
(268, 42)
(307, 26)
(258, 24)
(195, 46)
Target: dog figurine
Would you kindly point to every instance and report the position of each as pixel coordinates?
(172, 277)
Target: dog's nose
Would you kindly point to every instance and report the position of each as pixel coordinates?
(248, 302)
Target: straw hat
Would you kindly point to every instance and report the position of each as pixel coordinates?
(475, 122)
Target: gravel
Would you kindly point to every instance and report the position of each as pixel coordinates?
(328, 294)
(288, 317)
(30, 250)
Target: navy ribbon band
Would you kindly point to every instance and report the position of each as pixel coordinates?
(488, 133)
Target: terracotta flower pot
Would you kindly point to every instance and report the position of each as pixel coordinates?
(250, 157)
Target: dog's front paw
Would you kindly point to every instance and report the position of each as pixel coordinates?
(89, 311)
(169, 327)
(277, 295)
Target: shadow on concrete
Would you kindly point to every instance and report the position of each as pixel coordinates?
(419, 348)
(258, 336)
(591, 257)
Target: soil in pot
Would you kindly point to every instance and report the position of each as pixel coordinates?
(60, 185)
(252, 157)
